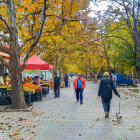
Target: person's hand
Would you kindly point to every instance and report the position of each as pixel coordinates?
(119, 95)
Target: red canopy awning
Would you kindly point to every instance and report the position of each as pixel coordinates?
(35, 62)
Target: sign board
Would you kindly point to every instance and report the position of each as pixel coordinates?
(32, 72)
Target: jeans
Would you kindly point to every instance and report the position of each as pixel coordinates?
(57, 91)
(106, 105)
(79, 91)
(115, 85)
(66, 83)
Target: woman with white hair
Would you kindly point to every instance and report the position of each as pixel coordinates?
(105, 92)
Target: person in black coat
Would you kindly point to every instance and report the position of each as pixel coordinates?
(66, 80)
(56, 86)
(105, 92)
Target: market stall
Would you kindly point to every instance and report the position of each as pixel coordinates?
(32, 91)
(37, 67)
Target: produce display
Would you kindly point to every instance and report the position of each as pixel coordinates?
(27, 89)
(51, 83)
(27, 86)
(9, 86)
(62, 86)
(6, 86)
(32, 87)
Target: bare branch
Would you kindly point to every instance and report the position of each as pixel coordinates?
(37, 37)
(4, 37)
(82, 68)
(130, 46)
(34, 13)
(128, 18)
(53, 30)
(5, 23)
(4, 63)
(23, 45)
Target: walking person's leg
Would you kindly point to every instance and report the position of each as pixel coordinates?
(58, 92)
(104, 102)
(66, 84)
(77, 94)
(55, 92)
(81, 96)
(108, 105)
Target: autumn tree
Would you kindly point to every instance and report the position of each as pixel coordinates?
(129, 12)
(25, 22)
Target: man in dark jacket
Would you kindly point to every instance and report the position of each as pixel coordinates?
(56, 86)
(66, 80)
(105, 92)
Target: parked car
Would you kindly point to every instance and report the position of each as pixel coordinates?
(124, 80)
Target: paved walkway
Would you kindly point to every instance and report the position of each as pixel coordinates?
(65, 119)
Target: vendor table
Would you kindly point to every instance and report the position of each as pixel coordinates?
(38, 95)
(45, 89)
(5, 97)
(30, 96)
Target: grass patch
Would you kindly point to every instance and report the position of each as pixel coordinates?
(135, 90)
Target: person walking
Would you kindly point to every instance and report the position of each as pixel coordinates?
(114, 78)
(105, 92)
(79, 85)
(66, 80)
(56, 86)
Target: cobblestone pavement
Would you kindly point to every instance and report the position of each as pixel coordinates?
(65, 119)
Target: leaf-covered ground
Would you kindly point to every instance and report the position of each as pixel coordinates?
(65, 119)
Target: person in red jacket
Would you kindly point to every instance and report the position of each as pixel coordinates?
(79, 85)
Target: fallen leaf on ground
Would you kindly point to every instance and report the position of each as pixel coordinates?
(109, 129)
(97, 119)
(21, 119)
(33, 132)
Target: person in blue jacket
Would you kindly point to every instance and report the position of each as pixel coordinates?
(105, 92)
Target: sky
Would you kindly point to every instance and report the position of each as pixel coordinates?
(97, 7)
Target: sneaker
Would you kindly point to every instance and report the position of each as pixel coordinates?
(77, 101)
(81, 103)
(106, 115)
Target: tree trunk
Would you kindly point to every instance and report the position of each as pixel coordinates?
(107, 58)
(134, 78)
(114, 67)
(17, 96)
(138, 73)
(138, 55)
(18, 101)
(96, 79)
